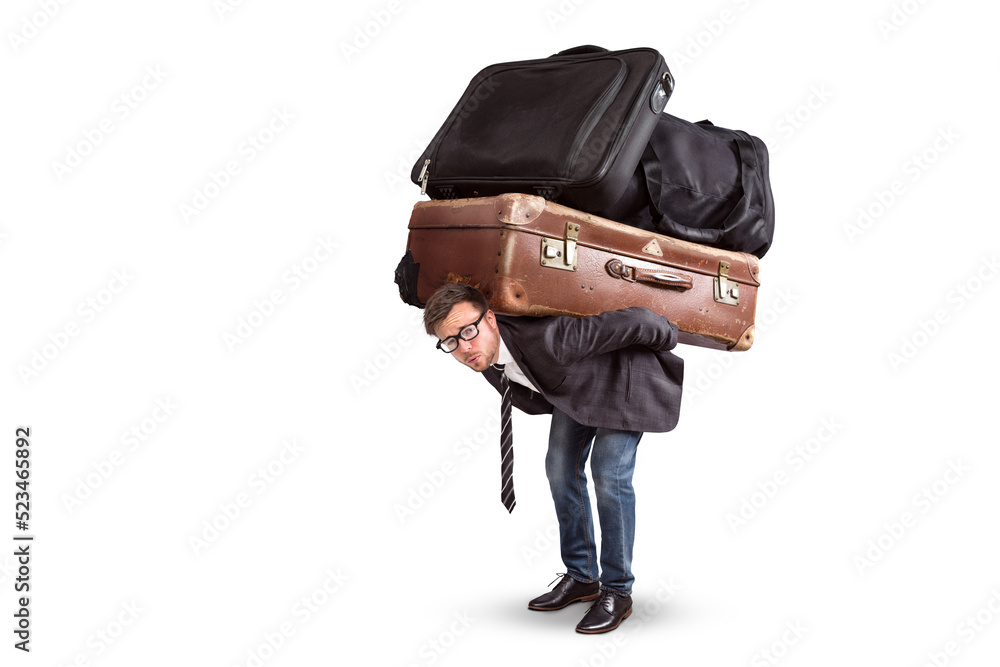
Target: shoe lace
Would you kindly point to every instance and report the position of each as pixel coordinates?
(559, 575)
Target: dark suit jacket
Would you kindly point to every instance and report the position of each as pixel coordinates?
(612, 370)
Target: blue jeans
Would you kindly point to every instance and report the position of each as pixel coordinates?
(612, 465)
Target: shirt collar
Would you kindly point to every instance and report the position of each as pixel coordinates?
(503, 354)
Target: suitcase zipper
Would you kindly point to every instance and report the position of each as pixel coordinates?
(425, 174)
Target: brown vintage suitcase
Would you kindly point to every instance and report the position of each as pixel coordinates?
(530, 256)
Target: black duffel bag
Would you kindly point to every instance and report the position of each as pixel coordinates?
(701, 183)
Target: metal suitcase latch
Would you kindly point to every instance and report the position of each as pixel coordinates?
(558, 254)
(726, 291)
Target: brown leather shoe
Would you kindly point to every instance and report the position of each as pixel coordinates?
(606, 614)
(566, 592)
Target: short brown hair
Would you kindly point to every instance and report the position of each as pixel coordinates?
(447, 297)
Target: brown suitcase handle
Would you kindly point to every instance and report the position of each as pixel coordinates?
(655, 276)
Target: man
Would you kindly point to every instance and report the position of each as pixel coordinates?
(605, 379)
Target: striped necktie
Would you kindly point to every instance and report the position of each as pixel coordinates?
(506, 443)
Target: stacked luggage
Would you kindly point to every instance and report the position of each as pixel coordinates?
(559, 186)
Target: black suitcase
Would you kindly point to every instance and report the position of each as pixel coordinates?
(569, 128)
(701, 183)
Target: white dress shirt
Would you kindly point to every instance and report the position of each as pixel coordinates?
(511, 369)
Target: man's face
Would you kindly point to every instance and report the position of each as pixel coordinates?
(482, 350)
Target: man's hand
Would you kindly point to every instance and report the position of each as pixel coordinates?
(575, 338)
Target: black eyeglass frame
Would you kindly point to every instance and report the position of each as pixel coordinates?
(441, 343)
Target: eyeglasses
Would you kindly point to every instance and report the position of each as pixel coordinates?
(468, 332)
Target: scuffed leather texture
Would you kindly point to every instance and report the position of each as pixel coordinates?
(494, 243)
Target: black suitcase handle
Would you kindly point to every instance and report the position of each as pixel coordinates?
(586, 49)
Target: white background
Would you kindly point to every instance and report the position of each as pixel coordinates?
(384, 514)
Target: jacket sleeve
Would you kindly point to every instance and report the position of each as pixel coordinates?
(570, 339)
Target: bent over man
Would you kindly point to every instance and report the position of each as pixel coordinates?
(606, 379)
